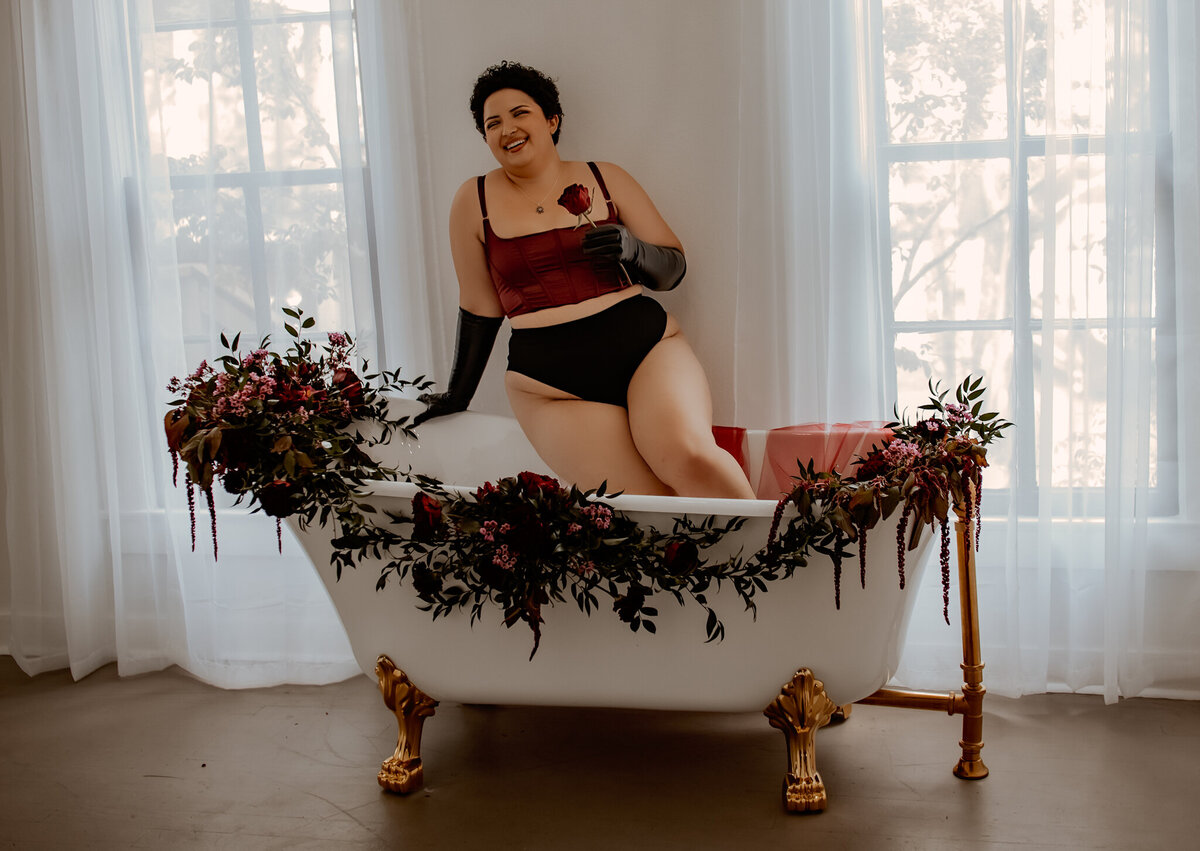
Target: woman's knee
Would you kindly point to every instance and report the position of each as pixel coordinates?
(683, 457)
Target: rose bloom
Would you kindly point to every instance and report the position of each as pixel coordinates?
(575, 199)
(427, 516)
(531, 483)
(681, 557)
(348, 383)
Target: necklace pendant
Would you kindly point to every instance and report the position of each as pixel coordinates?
(541, 209)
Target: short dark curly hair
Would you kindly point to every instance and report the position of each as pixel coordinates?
(514, 75)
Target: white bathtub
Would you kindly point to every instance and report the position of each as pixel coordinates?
(597, 660)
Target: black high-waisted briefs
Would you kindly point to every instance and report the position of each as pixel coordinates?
(595, 357)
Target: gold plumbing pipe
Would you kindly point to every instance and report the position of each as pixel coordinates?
(952, 703)
(969, 702)
(970, 765)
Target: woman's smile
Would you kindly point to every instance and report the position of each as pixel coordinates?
(515, 126)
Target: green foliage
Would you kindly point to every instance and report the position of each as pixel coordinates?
(281, 429)
(926, 467)
(525, 542)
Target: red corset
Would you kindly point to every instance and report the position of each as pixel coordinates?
(548, 268)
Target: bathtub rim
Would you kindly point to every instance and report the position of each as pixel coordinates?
(629, 502)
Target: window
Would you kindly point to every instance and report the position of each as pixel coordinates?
(258, 110)
(997, 260)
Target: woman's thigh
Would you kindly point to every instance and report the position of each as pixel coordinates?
(670, 404)
(584, 443)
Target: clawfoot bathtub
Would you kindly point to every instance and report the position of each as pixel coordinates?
(800, 658)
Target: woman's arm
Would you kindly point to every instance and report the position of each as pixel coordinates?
(479, 312)
(643, 242)
(475, 291)
(635, 208)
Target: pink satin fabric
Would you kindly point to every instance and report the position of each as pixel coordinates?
(830, 446)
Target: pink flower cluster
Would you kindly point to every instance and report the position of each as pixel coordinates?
(258, 357)
(901, 453)
(339, 352)
(504, 559)
(488, 530)
(233, 399)
(600, 515)
(585, 568)
(957, 413)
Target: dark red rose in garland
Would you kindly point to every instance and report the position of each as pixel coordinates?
(535, 483)
(277, 498)
(348, 384)
(875, 464)
(931, 429)
(681, 557)
(427, 517)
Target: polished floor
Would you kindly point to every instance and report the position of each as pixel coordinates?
(163, 761)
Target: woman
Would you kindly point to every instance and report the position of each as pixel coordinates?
(599, 376)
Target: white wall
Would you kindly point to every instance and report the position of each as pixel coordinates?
(652, 87)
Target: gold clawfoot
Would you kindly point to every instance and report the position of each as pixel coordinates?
(800, 710)
(402, 772)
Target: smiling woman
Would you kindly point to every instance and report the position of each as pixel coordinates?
(599, 375)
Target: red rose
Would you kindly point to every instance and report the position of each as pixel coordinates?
(871, 466)
(347, 383)
(576, 200)
(531, 483)
(278, 498)
(427, 516)
(681, 557)
(931, 429)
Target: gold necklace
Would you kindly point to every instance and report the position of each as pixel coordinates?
(537, 204)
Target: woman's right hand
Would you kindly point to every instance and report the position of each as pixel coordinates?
(472, 346)
(437, 405)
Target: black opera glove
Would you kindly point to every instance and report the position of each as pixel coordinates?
(473, 346)
(655, 266)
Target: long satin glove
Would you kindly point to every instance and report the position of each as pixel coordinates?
(476, 336)
(655, 266)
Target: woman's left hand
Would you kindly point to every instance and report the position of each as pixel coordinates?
(658, 267)
(609, 241)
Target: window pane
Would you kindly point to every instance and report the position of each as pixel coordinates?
(275, 8)
(1079, 411)
(214, 265)
(294, 66)
(944, 70)
(308, 264)
(1064, 75)
(178, 11)
(1075, 277)
(203, 119)
(950, 240)
(948, 357)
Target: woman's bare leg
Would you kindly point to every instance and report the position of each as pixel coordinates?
(585, 443)
(670, 418)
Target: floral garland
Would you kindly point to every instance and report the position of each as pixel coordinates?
(281, 430)
(525, 542)
(926, 467)
(276, 428)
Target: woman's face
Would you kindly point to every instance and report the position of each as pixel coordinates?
(516, 129)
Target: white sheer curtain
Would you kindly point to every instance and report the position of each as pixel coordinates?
(171, 171)
(1011, 192)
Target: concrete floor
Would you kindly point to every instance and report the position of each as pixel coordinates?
(163, 761)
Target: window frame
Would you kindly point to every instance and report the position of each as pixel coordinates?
(1017, 147)
(258, 177)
